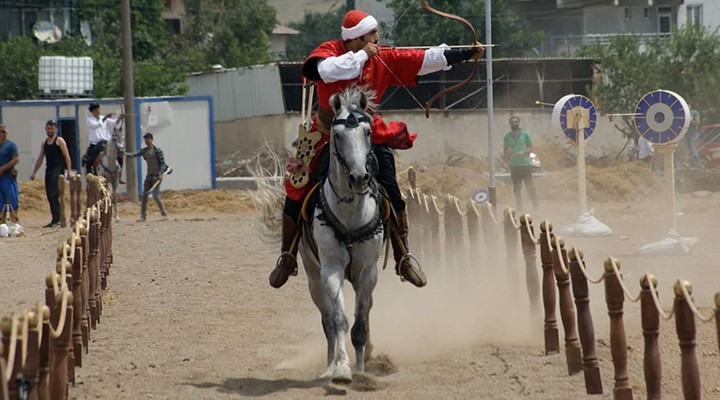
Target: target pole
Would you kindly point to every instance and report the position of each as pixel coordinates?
(582, 179)
(668, 151)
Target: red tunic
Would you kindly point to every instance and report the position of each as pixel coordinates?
(390, 67)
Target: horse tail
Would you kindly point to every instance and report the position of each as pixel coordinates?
(267, 168)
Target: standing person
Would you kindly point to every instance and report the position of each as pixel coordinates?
(156, 167)
(9, 158)
(99, 134)
(517, 146)
(692, 138)
(357, 59)
(56, 154)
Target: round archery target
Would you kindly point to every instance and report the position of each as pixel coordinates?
(662, 117)
(480, 197)
(573, 112)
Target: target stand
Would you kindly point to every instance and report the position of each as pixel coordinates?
(576, 116)
(662, 117)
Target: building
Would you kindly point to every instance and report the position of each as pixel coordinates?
(700, 12)
(19, 18)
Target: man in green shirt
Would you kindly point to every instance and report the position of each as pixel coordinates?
(517, 147)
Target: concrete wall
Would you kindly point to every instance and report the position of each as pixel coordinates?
(438, 137)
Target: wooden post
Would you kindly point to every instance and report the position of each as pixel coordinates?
(614, 296)
(78, 301)
(490, 233)
(45, 354)
(433, 233)
(71, 302)
(552, 336)
(511, 237)
(530, 255)
(717, 316)
(62, 346)
(586, 330)
(567, 309)
(6, 329)
(32, 362)
(61, 194)
(685, 325)
(412, 177)
(652, 365)
(453, 236)
(3, 368)
(85, 281)
(93, 266)
(473, 227)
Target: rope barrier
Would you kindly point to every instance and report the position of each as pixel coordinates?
(563, 267)
(13, 347)
(42, 311)
(511, 215)
(456, 200)
(691, 303)
(24, 338)
(475, 209)
(530, 232)
(656, 300)
(622, 282)
(403, 171)
(425, 202)
(491, 211)
(55, 333)
(434, 200)
(581, 264)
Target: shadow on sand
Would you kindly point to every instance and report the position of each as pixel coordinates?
(254, 387)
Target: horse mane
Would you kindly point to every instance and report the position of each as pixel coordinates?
(352, 95)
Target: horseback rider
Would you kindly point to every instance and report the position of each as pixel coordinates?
(357, 59)
(99, 134)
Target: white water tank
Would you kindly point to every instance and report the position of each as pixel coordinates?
(66, 76)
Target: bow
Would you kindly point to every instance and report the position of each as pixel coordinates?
(467, 80)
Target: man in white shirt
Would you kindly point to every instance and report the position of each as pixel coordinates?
(99, 133)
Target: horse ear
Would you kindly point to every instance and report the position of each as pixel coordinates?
(363, 101)
(336, 103)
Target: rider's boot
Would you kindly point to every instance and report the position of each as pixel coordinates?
(286, 264)
(405, 266)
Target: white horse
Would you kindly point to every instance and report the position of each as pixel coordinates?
(109, 167)
(348, 229)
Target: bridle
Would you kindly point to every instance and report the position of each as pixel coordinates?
(353, 120)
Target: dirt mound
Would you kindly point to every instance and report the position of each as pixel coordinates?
(33, 199)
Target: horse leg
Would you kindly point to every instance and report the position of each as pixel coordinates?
(333, 278)
(317, 293)
(360, 333)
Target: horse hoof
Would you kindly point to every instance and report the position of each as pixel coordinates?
(342, 375)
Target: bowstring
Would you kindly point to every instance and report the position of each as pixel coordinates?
(400, 82)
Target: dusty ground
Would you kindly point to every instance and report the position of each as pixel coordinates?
(189, 313)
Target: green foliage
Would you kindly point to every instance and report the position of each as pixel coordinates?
(686, 62)
(416, 26)
(315, 28)
(18, 69)
(234, 33)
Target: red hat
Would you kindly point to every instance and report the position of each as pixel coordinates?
(357, 23)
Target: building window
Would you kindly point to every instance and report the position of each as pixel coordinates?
(694, 15)
(664, 19)
(646, 12)
(628, 13)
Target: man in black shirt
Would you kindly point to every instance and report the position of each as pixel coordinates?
(55, 151)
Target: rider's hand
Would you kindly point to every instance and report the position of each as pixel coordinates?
(371, 49)
(480, 52)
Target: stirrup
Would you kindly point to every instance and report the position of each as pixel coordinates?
(415, 265)
(292, 256)
(279, 276)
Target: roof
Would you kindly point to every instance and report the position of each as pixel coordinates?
(284, 30)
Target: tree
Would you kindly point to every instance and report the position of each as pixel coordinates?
(315, 28)
(686, 62)
(414, 25)
(18, 69)
(232, 33)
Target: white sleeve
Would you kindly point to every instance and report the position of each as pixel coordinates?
(342, 68)
(434, 60)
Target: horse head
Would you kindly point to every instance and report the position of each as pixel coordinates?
(350, 139)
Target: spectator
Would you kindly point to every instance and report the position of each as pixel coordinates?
(517, 146)
(8, 175)
(156, 167)
(55, 151)
(692, 138)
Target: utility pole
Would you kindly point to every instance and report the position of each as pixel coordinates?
(489, 78)
(130, 117)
